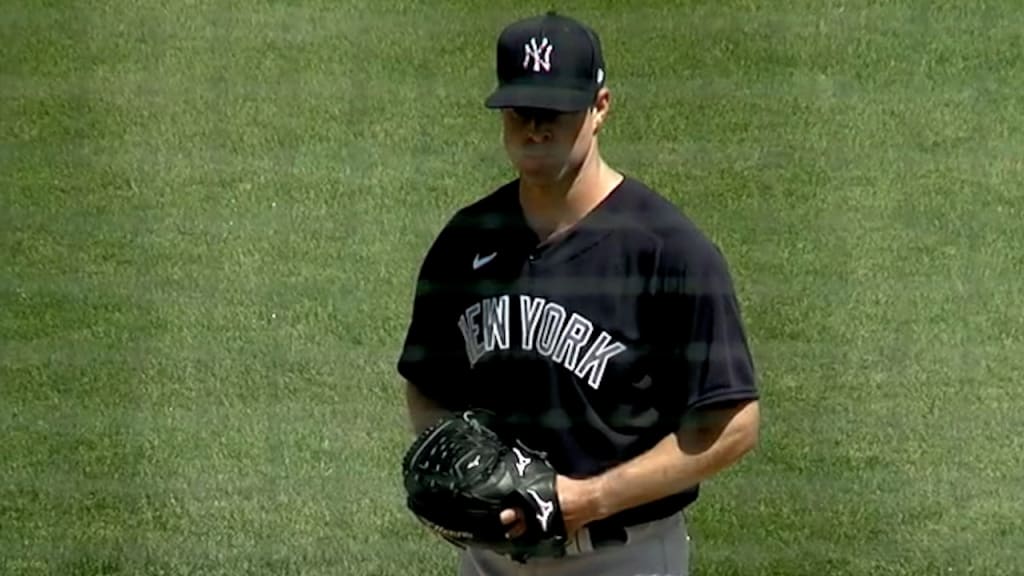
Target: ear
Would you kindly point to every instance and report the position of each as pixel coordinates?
(602, 105)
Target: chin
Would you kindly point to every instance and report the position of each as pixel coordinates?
(538, 167)
(545, 175)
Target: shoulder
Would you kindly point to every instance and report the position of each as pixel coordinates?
(682, 246)
(468, 222)
(489, 212)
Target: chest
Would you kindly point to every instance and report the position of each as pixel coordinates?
(578, 320)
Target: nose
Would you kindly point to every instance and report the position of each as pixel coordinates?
(537, 131)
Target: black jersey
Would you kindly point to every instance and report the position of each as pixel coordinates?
(592, 346)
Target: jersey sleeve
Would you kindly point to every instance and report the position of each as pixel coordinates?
(706, 358)
(433, 355)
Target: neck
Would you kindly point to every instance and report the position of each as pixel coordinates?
(551, 207)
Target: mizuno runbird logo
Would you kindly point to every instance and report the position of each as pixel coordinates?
(521, 461)
(546, 508)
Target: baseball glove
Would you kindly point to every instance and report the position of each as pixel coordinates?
(460, 474)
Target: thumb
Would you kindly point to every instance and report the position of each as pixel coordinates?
(509, 516)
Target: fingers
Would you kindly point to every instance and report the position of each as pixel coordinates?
(509, 515)
(513, 519)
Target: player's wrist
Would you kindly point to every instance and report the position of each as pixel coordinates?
(599, 499)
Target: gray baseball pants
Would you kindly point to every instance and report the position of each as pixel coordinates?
(658, 548)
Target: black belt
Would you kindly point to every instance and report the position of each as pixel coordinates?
(610, 533)
(602, 535)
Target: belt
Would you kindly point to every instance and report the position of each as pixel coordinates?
(610, 533)
(602, 535)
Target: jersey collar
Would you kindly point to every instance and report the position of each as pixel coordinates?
(603, 219)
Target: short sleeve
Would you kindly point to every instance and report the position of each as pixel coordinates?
(706, 356)
(433, 355)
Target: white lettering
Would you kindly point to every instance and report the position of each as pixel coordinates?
(471, 333)
(596, 359)
(576, 334)
(551, 328)
(496, 323)
(546, 327)
(529, 314)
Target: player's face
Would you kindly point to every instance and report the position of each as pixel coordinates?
(545, 144)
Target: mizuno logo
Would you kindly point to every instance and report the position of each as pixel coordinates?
(479, 261)
(474, 463)
(545, 509)
(521, 461)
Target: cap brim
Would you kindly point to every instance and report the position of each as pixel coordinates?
(525, 96)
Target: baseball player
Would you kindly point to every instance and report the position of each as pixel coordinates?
(591, 315)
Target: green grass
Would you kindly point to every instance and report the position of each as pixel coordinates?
(212, 216)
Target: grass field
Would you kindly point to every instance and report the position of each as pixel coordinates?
(213, 212)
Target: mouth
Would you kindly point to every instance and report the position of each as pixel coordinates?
(535, 151)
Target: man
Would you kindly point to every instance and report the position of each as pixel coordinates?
(591, 315)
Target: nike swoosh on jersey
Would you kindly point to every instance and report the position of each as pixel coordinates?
(479, 261)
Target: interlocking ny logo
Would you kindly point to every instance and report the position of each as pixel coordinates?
(541, 55)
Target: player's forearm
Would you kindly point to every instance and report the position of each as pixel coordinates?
(677, 462)
(423, 411)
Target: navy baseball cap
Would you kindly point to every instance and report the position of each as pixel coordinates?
(549, 61)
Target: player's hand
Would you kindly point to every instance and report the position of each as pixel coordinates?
(513, 519)
(576, 499)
